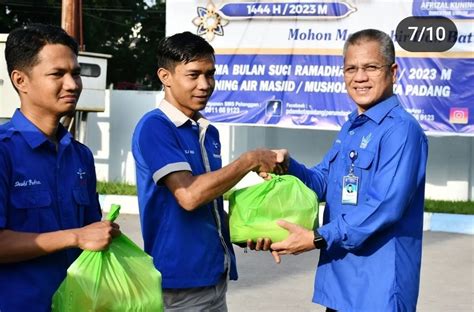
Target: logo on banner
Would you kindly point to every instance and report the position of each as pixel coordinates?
(459, 115)
(209, 23)
(274, 108)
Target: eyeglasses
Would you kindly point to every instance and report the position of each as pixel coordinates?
(371, 70)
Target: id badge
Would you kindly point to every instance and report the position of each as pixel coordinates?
(350, 187)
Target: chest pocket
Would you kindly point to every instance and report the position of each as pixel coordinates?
(332, 166)
(332, 155)
(32, 211)
(364, 159)
(82, 201)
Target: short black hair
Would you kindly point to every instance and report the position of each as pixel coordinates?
(387, 48)
(183, 47)
(24, 44)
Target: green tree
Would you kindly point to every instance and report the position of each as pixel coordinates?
(126, 29)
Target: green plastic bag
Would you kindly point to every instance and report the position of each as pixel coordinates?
(254, 210)
(121, 278)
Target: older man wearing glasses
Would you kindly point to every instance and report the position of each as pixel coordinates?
(372, 180)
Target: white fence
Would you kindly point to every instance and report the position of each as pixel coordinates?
(450, 174)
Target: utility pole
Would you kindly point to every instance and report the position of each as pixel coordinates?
(71, 22)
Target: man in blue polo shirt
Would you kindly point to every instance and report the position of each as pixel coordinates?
(373, 182)
(180, 180)
(48, 202)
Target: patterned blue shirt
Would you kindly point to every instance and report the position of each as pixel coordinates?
(372, 262)
(41, 190)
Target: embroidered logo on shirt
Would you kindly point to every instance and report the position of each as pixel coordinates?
(189, 152)
(216, 150)
(365, 140)
(80, 173)
(28, 182)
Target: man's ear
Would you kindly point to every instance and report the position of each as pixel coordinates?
(19, 80)
(164, 75)
(393, 70)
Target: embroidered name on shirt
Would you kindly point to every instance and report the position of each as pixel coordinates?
(365, 141)
(28, 182)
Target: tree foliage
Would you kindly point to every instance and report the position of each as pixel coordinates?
(127, 29)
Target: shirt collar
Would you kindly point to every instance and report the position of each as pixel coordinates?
(32, 135)
(178, 117)
(378, 112)
(64, 136)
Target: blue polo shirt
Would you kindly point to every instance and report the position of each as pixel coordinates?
(189, 248)
(372, 262)
(41, 190)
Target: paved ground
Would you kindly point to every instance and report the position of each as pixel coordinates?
(447, 277)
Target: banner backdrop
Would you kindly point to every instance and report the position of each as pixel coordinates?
(280, 62)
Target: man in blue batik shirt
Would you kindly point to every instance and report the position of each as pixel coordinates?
(371, 237)
(48, 203)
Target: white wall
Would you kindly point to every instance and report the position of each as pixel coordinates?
(109, 134)
(450, 173)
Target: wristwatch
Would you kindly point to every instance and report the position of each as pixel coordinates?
(319, 241)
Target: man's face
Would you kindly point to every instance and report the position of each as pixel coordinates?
(190, 85)
(54, 84)
(368, 87)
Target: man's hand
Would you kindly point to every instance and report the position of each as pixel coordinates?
(283, 160)
(96, 236)
(260, 244)
(283, 157)
(299, 241)
(265, 160)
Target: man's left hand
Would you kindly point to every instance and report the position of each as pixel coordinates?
(260, 244)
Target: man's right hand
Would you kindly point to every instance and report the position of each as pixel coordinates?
(269, 161)
(21, 246)
(283, 161)
(96, 236)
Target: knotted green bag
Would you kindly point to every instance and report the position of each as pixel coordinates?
(121, 278)
(254, 210)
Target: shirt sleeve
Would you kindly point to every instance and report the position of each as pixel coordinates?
(316, 177)
(5, 165)
(158, 148)
(398, 174)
